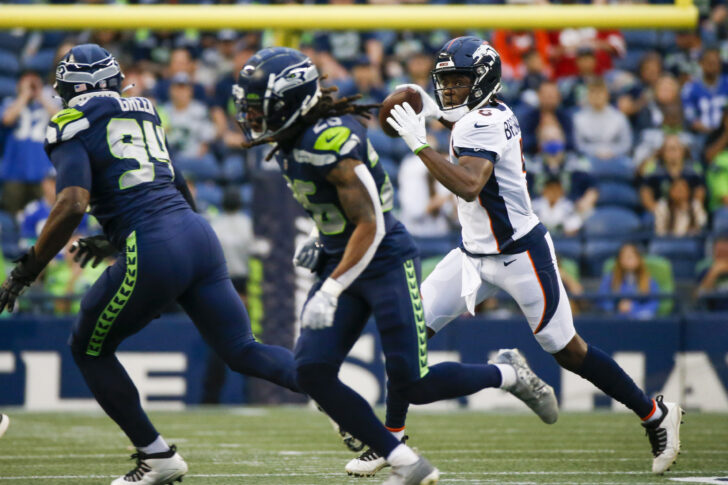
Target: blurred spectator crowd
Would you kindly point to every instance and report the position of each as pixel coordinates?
(625, 137)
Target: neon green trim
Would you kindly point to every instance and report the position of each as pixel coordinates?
(118, 302)
(426, 145)
(332, 138)
(419, 312)
(65, 116)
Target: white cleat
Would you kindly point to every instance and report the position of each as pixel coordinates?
(4, 423)
(368, 463)
(155, 469)
(664, 436)
(529, 388)
(420, 472)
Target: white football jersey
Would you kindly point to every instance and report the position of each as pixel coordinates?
(502, 212)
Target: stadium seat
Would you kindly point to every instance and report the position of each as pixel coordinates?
(203, 168)
(42, 61)
(720, 221)
(596, 252)
(618, 194)
(9, 62)
(610, 221)
(631, 60)
(661, 271)
(434, 246)
(381, 143)
(11, 42)
(620, 169)
(7, 86)
(9, 236)
(210, 193)
(641, 39)
(567, 247)
(684, 253)
(233, 168)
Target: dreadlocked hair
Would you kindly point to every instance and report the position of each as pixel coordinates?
(326, 107)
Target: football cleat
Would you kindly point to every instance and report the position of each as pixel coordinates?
(4, 423)
(664, 435)
(529, 388)
(368, 463)
(420, 472)
(155, 469)
(354, 444)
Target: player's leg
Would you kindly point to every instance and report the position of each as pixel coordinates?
(4, 423)
(126, 297)
(550, 318)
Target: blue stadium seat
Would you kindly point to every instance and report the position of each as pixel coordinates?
(618, 194)
(42, 61)
(204, 168)
(233, 168)
(9, 62)
(246, 194)
(381, 142)
(9, 236)
(10, 41)
(612, 221)
(615, 169)
(210, 193)
(435, 246)
(596, 252)
(568, 247)
(7, 86)
(720, 220)
(684, 253)
(631, 60)
(641, 39)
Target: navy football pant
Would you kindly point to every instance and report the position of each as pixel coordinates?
(394, 299)
(179, 261)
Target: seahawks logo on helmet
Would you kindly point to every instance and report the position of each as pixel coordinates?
(87, 68)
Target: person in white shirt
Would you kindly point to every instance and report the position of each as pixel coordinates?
(555, 211)
(600, 129)
(505, 247)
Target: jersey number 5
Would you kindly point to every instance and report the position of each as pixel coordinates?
(127, 140)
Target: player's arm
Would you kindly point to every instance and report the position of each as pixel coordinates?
(359, 198)
(73, 184)
(181, 183)
(466, 179)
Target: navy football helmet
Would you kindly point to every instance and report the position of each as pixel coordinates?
(277, 86)
(87, 68)
(474, 57)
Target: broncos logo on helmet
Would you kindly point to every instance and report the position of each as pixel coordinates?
(87, 68)
(474, 57)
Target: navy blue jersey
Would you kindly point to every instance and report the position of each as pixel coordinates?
(305, 164)
(115, 148)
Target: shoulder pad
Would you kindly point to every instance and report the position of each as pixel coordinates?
(66, 124)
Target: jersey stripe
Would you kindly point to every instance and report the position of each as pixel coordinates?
(495, 206)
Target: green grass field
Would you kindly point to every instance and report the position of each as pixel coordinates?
(282, 446)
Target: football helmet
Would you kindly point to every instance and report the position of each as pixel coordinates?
(474, 57)
(277, 86)
(87, 68)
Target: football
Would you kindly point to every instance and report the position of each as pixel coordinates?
(399, 96)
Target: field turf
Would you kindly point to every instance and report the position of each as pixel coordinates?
(286, 446)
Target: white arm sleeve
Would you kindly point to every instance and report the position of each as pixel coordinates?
(353, 273)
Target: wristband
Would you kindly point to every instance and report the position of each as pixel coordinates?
(332, 287)
(418, 150)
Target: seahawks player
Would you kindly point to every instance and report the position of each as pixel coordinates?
(369, 262)
(110, 152)
(504, 244)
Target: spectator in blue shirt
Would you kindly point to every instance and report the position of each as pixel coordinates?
(703, 99)
(24, 162)
(630, 276)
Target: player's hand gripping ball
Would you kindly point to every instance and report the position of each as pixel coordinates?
(400, 96)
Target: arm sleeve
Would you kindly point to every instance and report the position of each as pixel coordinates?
(73, 166)
(181, 184)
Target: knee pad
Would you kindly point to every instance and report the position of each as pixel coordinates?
(312, 377)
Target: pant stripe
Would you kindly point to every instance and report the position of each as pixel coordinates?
(414, 291)
(118, 302)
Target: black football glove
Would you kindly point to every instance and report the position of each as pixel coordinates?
(97, 248)
(21, 277)
(308, 253)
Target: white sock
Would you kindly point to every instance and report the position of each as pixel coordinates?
(655, 415)
(402, 455)
(508, 375)
(156, 446)
(398, 434)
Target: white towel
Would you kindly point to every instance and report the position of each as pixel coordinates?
(470, 281)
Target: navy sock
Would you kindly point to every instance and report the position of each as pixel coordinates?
(449, 380)
(602, 371)
(270, 362)
(117, 395)
(396, 409)
(345, 406)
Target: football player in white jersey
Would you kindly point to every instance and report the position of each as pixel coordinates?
(504, 244)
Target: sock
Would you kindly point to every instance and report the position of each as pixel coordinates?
(346, 407)
(602, 371)
(654, 415)
(117, 395)
(396, 409)
(449, 380)
(508, 375)
(402, 455)
(156, 446)
(397, 433)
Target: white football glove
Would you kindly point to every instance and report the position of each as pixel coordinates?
(430, 109)
(320, 309)
(409, 125)
(308, 253)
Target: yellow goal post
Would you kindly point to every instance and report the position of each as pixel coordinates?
(681, 15)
